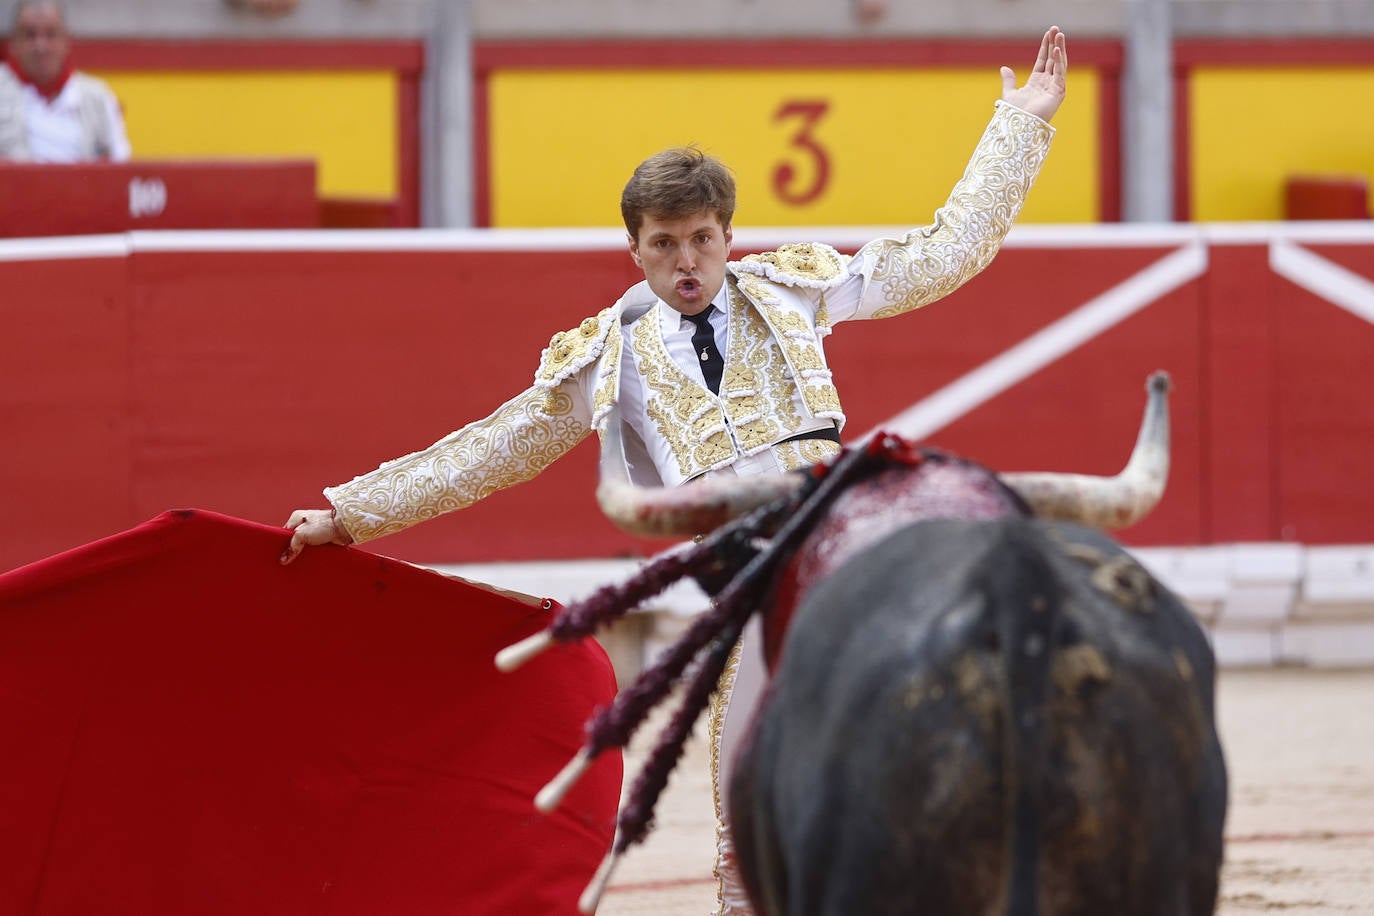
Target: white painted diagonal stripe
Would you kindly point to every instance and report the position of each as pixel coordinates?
(1324, 278)
(1049, 344)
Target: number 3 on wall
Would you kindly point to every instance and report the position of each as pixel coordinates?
(785, 177)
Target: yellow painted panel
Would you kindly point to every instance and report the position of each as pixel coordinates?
(345, 120)
(865, 146)
(1251, 128)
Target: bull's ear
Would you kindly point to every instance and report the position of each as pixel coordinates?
(1109, 502)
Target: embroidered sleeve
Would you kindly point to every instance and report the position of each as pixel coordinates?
(523, 437)
(900, 275)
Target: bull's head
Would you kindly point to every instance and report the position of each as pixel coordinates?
(704, 505)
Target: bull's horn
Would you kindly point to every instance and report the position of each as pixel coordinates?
(692, 509)
(1109, 502)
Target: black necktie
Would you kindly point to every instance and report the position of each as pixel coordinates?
(704, 342)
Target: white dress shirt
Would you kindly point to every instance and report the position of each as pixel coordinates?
(678, 330)
(56, 131)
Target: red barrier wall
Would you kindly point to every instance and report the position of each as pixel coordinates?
(242, 372)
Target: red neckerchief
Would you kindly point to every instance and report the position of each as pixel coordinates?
(53, 89)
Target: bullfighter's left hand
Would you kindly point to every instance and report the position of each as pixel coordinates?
(1044, 89)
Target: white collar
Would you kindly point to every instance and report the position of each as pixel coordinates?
(670, 320)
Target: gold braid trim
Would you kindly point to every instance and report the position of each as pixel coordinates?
(800, 344)
(609, 386)
(758, 391)
(524, 436)
(715, 727)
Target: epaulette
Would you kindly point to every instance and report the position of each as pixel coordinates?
(571, 350)
(811, 264)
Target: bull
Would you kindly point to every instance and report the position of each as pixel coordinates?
(979, 704)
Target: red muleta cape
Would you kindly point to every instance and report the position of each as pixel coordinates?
(190, 727)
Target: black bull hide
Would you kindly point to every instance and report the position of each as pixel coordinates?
(985, 717)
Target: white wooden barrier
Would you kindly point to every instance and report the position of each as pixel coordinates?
(1261, 604)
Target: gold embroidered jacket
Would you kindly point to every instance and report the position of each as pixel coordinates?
(781, 306)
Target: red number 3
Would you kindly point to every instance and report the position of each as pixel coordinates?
(785, 180)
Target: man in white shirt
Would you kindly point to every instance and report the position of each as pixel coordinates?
(50, 112)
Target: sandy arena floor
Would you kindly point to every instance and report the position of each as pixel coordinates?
(1300, 833)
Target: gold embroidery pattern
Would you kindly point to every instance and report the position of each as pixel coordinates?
(573, 349)
(605, 395)
(805, 452)
(824, 400)
(688, 417)
(715, 728)
(524, 436)
(759, 390)
(784, 321)
(755, 289)
(804, 264)
(822, 319)
(803, 351)
(968, 230)
(757, 366)
(747, 408)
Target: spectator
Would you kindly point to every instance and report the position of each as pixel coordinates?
(271, 8)
(50, 112)
(869, 12)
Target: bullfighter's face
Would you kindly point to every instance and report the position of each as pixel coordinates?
(683, 258)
